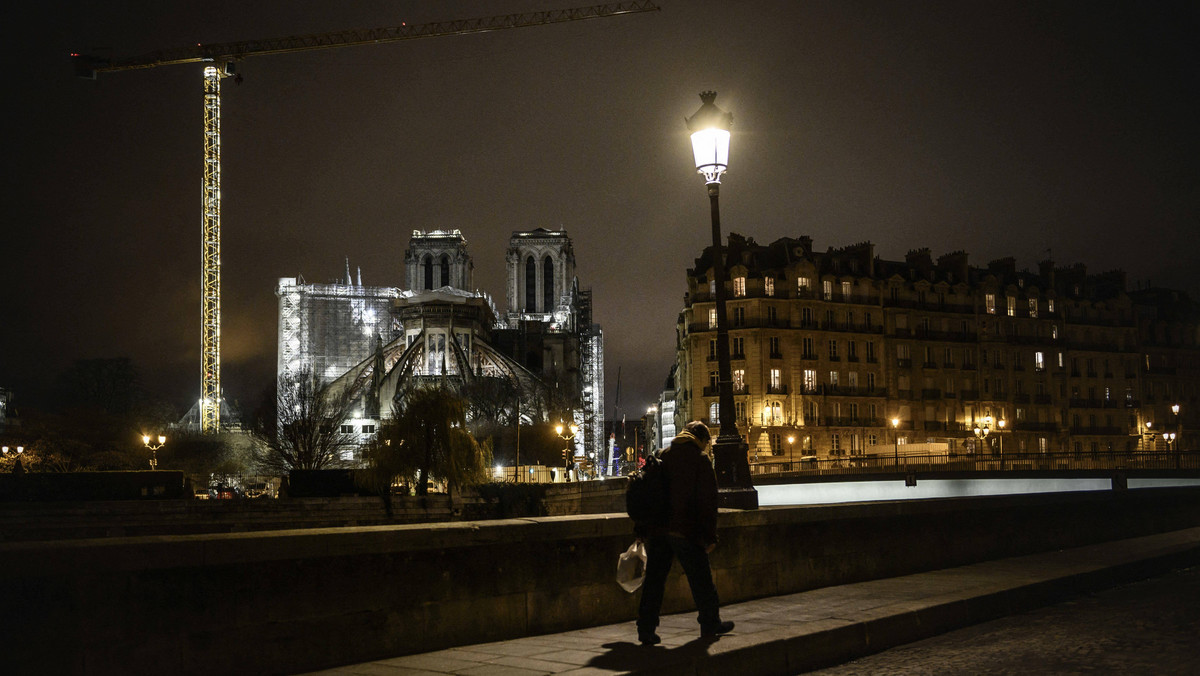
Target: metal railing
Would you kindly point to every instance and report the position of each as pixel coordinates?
(883, 462)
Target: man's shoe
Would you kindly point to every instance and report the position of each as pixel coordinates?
(717, 629)
(648, 638)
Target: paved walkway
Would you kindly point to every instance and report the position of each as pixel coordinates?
(801, 632)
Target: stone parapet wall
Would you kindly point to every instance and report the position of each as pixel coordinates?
(299, 600)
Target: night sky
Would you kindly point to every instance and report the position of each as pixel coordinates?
(999, 128)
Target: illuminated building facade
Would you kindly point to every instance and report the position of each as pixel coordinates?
(829, 348)
(376, 342)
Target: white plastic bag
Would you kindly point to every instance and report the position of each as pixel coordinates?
(631, 567)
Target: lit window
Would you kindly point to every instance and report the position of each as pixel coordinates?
(802, 284)
(845, 289)
(776, 378)
(739, 379)
(833, 378)
(989, 302)
(827, 289)
(712, 318)
(810, 380)
(1054, 331)
(714, 413)
(712, 287)
(1012, 306)
(739, 286)
(835, 443)
(1033, 307)
(1050, 305)
(769, 286)
(1039, 361)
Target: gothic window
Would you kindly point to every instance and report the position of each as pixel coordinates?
(548, 285)
(445, 265)
(427, 267)
(530, 285)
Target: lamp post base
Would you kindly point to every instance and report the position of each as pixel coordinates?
(733, 474)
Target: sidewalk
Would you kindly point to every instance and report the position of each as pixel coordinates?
(800, 632)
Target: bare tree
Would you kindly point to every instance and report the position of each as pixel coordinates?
(307, 430)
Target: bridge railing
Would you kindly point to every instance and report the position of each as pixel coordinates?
(876, 463)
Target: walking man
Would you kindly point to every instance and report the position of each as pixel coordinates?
(690, 534)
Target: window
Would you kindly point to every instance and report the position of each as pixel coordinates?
(833, 349)
(769, 286)
(1054, 331)
(846, 290)
(802, 284)
(989, 303)
(773, 341)
(776, 443)
(1049, 308)
(712, 318)
(714, 413)
(852, 350)
(1011, 306)
(833, 378)
(1060, 360)
(739, 316)
(739, 287)
(835, 444)
(368, 429)
(347, 429)
(772, 315)
(873, 439)
(870, 380)
(810, 411)
(739, 379)
(827, 289)
(871, 350)
(712, 349)
(739, 410)
(712, 379)
(1039, 361)
(852, 379)
(809, 352)
(776, 378)
(903, 352)
(737, 346)
(810, 380)
(774, 411)
(1033, 307)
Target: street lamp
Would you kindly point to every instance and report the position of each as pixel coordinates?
(154, 449)
(1177, 433)
(896, 441)
(566, 433)
(1001, 423)
(791, 451)
(709, 127)
(982, 430)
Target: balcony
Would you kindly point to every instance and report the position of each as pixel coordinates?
(931, 394)
(775, 355)
(809, 355)
(948, 394)
(970, 395)
(1042, 399)
(1085, 403)
(1098, 431)
(1021, 398)
(904, 363)
(777, 389)
(1025, 426)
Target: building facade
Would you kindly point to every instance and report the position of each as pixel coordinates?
(842, 353)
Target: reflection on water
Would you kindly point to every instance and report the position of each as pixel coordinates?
(866, 491)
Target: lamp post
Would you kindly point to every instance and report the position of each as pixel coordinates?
(154, 449)
(709, 127)
(982, 430)
(566, 433)
(1000, 437)
(791, 451)
(1177, 434)
(896, 441)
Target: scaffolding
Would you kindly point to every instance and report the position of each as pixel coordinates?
(591, 357)
(327, 329)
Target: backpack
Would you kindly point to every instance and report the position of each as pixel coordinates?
(647, 501)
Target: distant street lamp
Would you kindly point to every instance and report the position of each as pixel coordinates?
(791, 451)
(154, 449)
(566, 433)
(710, 146)
(1177, 433)
(1000, 439)
(896, 440)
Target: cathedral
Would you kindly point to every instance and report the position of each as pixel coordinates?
(541, 360)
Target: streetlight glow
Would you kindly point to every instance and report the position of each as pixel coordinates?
(710, 138)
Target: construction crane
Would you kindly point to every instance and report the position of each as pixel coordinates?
(220, 60)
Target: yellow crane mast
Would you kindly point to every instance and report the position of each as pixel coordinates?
(220, 59)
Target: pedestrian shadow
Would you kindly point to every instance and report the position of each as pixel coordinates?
(635, 657)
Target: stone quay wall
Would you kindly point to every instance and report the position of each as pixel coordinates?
(289, 601)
